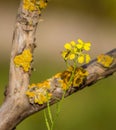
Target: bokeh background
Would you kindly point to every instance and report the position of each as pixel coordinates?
(93, 108)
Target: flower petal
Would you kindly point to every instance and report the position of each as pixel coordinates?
(67, 46)
(87, 58)
(80, 59)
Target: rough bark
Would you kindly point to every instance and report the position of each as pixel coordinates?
(16, 101)
(16, 106)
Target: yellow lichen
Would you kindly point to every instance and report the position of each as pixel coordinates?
(79, 76)
(63, 85)
(105, 60)
(46, 84)
(42, 4)
(33, 5)
(39, 93)
(24, 60)
(29, 5)
(58, 75)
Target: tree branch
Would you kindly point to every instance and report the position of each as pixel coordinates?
(96, 73)
(16, 102)
(16, 106)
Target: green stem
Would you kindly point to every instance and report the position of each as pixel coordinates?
(63, 96)
(46, 121)
(72, 76)
(49, 120)
(50, 115)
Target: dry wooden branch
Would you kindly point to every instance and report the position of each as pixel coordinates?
(16, 101)
(16, 106)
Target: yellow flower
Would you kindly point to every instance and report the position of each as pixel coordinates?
(64, 55)
(80, 44)
(71, 56)
(80, 59)
(87, 58)
(73, 43)
(87, 46)
(80, 41)
(74, 51)
(67, 46)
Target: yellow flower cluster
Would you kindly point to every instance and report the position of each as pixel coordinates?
(105, 60)
(32, 5)
(80, 75)
(39, 93)
(24, 60)
(74, 51)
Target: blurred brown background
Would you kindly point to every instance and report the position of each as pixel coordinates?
(61, 22)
